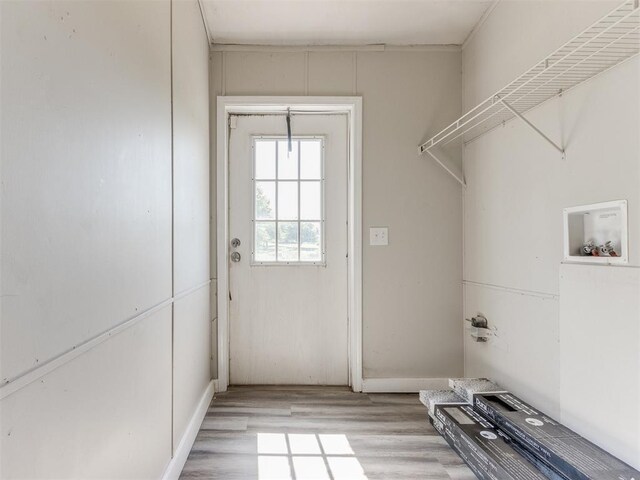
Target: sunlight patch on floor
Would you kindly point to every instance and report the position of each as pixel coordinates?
(297, 456)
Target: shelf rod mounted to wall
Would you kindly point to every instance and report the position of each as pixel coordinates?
(613, 39)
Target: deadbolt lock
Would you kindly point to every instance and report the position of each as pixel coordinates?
(235, 243)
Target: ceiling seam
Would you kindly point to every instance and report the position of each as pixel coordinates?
(204, 20)
(481, 21)
(227, 47)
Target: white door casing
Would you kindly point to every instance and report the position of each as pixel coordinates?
(288, 316)
(352, 107)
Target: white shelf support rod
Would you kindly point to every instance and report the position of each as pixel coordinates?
(532, 126)
(444, 165)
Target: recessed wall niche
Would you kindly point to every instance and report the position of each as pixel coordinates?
(596, 233)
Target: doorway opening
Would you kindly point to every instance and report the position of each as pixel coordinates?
(280, 234)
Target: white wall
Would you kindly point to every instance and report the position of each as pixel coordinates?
(86, 168)
(89, 268)
(517, 188)
(191, 311)
(411, 291)
(600, 355)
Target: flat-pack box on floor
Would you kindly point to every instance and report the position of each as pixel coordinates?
(467, 388)
(431, 398)
(487, 451)
(437, 424)
(556, 445)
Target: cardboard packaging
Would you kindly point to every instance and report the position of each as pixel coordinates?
(555, 445)
(431, 398)
(468, 387)
(487, 451)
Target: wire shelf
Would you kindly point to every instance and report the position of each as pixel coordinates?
(608, 42)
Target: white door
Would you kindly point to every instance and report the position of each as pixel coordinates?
(288, 288)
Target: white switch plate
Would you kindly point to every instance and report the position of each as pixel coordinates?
(378, 236)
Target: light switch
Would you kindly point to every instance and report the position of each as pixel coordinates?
(378, 236)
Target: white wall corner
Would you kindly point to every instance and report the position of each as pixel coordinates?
(481, 21)
(203, 13)
(175, 466)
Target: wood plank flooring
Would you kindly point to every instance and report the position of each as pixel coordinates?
(319, 433)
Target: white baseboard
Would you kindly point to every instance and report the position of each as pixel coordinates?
(218, 386)
(174, 469)
(403, 385)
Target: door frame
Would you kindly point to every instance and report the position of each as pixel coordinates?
(352, 106)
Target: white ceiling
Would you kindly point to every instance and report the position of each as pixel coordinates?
(343, 22)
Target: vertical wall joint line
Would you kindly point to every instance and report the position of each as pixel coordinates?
(224, 73)
(354, 59)
(172, 213)
(306, 72)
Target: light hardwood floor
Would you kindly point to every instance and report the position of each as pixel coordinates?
(319, 433)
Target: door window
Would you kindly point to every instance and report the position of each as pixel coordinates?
(288, 201)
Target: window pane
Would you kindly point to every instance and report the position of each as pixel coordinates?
(265, 200)
(311, 159)
(287, 200)
(265, 242)
(265, 159)
(310, 201)
(287, 162)
(287, 241)
(310, 240)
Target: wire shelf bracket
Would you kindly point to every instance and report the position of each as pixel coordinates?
(445, 163)
(533, 127)
(613, 39)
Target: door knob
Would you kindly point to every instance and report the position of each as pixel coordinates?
(235, 257)
(235, 243)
